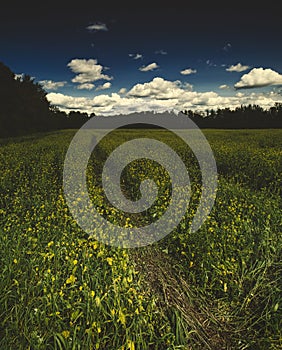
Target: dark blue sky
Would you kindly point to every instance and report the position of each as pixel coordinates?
(216, 44)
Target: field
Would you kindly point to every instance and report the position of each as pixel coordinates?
(217, 288)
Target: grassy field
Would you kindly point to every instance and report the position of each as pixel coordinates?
(217, 288)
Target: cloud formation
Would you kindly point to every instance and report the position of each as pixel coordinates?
(135, 56)
(259, 77)
(224, 86)
(159, 95)
(159, 88)
(149, 67)
(97, 27)
(19, 76)
(104, 86)
(87, 71)
(161, 52)
(188, 71)
(85, 86)
(237, 68)
(52, 85)
(122, 91)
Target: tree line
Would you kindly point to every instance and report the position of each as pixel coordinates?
(24, 109)
(243, 117)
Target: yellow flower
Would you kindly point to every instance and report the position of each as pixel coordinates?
(98, 301)
(225, 287)
(50, 243)
(121, 318)
(65, 334)
(110, 261)
(92, 293)
(75, 262)
(15, 261)
(71, 279)
(95, 245)
(130, 345)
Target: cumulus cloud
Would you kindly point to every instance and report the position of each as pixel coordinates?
(122, 91)
(188, 71)
(224, 86)
(259, 77)
(97, 27)
(149, 67)
(87, 71)
(52, 85)
(135, 56)
(19, 76)
(159, 95)
(159, 88)
(104, 86)
(86, 86)
(237, 68)
(66, 102)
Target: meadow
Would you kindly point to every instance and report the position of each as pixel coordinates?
(217, 288)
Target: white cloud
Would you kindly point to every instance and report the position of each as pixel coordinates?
(188, 71)
(52, 85)
(224, 86)
(86, 86)
(87, 71)
(135, 56)
(149, 67)
(240, 94)
(259, 77)
(104, 86)
(122, 91)
(97, 27)
(159, 95)
(19, 76)
(68, 102)
(160, 52)
(237, 68)
(159, 88)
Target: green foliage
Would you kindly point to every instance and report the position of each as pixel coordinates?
(60, 289)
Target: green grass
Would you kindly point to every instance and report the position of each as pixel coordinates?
(217, 288)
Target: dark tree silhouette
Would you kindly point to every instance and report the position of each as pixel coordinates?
(25, 109)
(243, 117)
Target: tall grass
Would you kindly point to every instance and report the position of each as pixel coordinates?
(218, 288)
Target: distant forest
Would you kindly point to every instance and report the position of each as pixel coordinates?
(24, 109)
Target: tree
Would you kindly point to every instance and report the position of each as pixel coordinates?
(24, 107)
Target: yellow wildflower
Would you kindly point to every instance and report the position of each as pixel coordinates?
(110, 261)
(71, 279)
(65, 334)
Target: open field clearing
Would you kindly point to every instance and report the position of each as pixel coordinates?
(217, 288)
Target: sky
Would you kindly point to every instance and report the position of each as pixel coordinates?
(112, 58)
